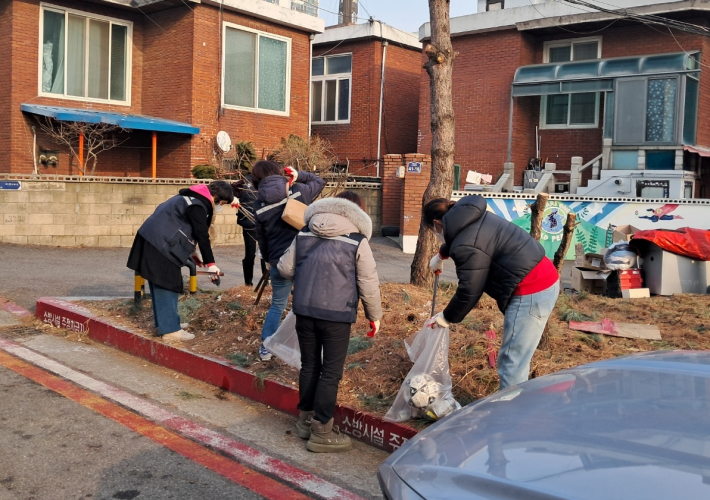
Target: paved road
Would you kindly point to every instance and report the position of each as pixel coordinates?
(59, 448)
(30, 272)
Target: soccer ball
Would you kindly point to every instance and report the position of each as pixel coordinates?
(423, 390)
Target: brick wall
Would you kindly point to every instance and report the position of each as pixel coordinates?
(483, 72)
(24, 67)
(6, 77)
(264, 130)
(356, 141)
(176, 74)
(108, 214)
(392, 187)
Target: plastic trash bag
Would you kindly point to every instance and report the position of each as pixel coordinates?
(284, 342)
(620, 256)
(426, 390)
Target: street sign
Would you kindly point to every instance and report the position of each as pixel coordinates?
(414, 167)
(10, 184)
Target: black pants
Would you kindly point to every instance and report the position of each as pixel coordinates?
(249, 255)
(319, 379)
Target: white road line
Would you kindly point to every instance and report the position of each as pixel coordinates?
(245, 454)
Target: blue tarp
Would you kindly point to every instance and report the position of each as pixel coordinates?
(132, 122)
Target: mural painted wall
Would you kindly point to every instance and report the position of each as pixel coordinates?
(597, 219)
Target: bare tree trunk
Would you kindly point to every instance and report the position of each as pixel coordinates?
(567, 234)
(537, 211)
(439, 67)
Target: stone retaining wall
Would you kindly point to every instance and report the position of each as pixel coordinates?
(107, 212)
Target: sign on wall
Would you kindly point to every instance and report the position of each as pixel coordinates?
(596, 219)
(10, 185)
(414, 167)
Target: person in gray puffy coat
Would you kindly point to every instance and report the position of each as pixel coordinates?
(332, 266)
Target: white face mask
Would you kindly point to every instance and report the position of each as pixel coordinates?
(218, 208)
(439, 236)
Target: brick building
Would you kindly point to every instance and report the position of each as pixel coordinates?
(363, 119)
(172, 72)
(547, 80)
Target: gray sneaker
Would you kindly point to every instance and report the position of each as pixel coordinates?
(264, 353)
(179, 335)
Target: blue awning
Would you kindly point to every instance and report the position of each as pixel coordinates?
(132, 122)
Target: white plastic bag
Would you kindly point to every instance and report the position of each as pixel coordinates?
(426, 390)
(284, 342)
(620, 256)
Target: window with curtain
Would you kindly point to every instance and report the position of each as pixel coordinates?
(331, 78)
(256, 70)
(570, 110)
(84, 56)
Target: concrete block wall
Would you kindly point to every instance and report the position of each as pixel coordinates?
(372, 197)
(109, 214)
(90, 214)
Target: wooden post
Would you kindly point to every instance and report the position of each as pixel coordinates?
(155, 155)
(537, 211)
(81, 154)
(567, 233)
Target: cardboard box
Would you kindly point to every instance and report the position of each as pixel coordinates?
(666, 273)
(636, 293)
(624, 233)
(590, 281)
(589, 261)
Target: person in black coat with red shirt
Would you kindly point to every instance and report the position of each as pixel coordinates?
(499, 258)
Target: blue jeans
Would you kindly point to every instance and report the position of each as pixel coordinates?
(525, 320)
(165, 309)
(280, 290)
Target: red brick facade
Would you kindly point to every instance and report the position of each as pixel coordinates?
(356, 142)
(483, 72)
(176, 74)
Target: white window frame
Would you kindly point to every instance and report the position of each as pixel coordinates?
(287, 111)
(543, 114)
(543, 100)
(570, 41)
(337, 77)
(129, 55)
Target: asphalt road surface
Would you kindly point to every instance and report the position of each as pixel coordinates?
(30, 272)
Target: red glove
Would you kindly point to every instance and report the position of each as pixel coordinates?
(292, 174)
(375, 325)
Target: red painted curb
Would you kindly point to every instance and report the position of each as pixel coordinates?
(362, 426)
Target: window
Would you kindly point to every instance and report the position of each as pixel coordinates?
(330, 89)
(688, 190)
(570, 110)
(83, 56)
(646, 111)
(652, 189)
(257, 69)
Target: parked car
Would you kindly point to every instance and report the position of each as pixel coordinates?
(632, 427)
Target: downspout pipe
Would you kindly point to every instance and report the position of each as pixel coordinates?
(310, 83)
(382, 98)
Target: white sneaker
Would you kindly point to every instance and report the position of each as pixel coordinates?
(179, 335)
(184, 325)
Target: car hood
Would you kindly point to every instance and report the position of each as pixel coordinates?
(631, 427)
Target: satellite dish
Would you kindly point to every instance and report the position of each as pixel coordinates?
(224, 141)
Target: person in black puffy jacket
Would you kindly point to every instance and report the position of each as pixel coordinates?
(497, 257)
(273, 233)
(245, 191)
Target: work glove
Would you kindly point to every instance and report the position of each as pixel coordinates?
(436, 264)
(214, 277)
(197, 257)
(235, 204)
(292, 174)
(375, 325)
(438, 321)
